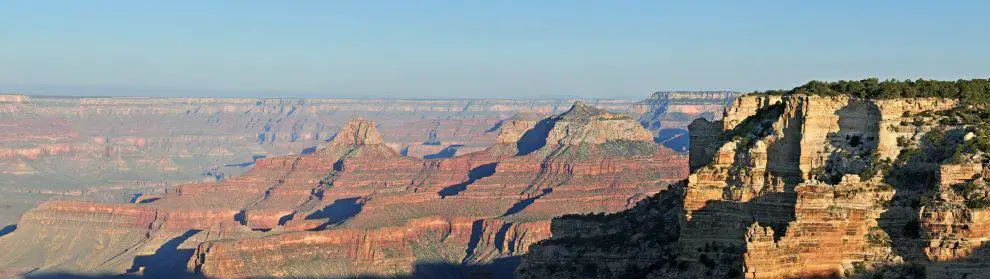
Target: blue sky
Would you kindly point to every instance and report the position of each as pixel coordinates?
(478, 49)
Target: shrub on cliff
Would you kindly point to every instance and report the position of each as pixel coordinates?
(627, 148)
(975, 194)
(875, 166)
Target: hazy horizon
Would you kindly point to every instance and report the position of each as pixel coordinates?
(477, 50)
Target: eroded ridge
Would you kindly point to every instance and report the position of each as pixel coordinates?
(356, 207)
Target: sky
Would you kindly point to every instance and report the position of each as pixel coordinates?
(478, 49)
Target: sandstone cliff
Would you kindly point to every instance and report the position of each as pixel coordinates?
(795, 186)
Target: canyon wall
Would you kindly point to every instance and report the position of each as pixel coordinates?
(798, 186)
(110, 149)
(355, 206)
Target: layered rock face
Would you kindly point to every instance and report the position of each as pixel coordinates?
(107, 149)
(357, 207)
(798, 186)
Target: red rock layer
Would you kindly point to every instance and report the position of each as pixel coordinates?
(474, 208)
(828, 233)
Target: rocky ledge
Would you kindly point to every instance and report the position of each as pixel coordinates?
(802, 185)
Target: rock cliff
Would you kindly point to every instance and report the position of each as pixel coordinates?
(796, 186)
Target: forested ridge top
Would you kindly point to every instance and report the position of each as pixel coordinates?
(972, 91)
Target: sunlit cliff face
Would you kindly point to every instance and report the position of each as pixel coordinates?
(356, 206)
(799, 186)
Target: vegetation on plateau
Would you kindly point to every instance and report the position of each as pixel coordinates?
(975, 91)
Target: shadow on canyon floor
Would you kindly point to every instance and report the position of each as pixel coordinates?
(673, 138)
(535, 138)
(8, 229)
(338, 211)
(447, 152)
(476, 173)
(254, 158)
(501, 268)
(522, 204)
(168, 261)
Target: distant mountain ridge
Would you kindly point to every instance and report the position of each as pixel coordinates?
(357, 207)
(112, 148)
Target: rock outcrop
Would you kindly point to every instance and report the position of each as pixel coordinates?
(583, 124)
(357, 132)
(797, 186)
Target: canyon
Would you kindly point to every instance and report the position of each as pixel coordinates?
(113, 149)
(431, 188)
(827, 180)
(801, 185)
